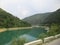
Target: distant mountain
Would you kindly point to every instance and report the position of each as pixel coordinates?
(44, 18)
(53, 18)
(7, 20)
(37, 19)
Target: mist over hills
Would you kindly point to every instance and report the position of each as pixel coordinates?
(37, 19)
(44, 18)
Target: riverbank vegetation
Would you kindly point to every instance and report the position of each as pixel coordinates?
(54, 29)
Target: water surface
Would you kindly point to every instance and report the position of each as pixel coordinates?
(29, 34)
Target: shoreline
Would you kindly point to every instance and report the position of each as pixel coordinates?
(5, 29)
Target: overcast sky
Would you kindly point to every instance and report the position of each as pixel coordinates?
(25, 8)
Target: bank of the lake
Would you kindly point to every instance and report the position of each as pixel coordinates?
(20, 28)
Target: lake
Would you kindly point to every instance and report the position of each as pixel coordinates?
(30, 34)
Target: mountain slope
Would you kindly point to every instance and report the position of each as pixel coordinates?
(8, 20)
(36, 19)
(53, 18)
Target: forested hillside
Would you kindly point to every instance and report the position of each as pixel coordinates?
(36, 19)
(53, 18)
(7, 20)
(44, 18)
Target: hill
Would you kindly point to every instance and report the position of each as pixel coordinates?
(44, 18)
(37, 19)
(53, 18)
(7, 20)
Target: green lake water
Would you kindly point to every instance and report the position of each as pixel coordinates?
(29, 34)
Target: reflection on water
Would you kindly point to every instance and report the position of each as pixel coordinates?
(28, 37)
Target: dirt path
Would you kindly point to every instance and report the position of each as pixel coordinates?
(55, 42)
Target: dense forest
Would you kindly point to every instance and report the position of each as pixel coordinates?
(7, 20)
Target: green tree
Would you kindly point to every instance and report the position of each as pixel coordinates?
(42, 36)
(14, 42)
(19, 41)
(54, 28)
